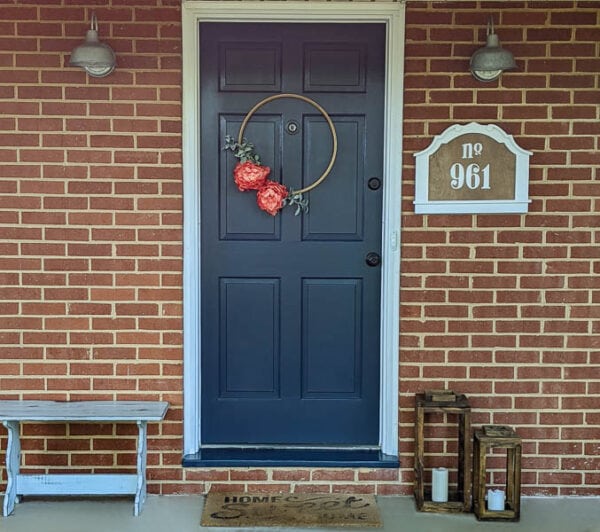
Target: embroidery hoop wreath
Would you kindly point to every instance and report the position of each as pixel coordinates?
(244, 150)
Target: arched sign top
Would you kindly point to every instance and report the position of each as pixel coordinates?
(472, 168)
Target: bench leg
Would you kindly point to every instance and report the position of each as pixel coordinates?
(13, 459)
(142, 445)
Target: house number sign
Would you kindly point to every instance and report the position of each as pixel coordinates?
(472, 168)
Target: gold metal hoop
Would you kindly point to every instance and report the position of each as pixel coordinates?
(315, 105)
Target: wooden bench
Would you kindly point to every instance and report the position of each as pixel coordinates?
(13, 413)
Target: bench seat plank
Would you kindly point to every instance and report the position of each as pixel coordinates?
(82, 410)
(77, 484)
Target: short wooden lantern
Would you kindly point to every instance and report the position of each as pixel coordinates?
(501, 509)
(444, 401)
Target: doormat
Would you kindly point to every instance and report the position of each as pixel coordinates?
(290, 510)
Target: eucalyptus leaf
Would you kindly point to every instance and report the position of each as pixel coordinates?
(243, 151)
(293, 198)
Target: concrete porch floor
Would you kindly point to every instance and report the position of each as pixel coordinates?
(182, 514)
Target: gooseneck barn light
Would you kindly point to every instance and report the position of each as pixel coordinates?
(95, 57)
(489, 62)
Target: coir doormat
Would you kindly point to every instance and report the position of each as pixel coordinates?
(290, 510)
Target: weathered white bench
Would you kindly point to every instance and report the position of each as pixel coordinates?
(13, 413)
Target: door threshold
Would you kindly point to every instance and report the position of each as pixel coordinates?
(289, 457)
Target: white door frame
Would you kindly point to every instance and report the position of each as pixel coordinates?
(392, 15)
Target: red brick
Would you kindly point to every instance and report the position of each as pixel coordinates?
(210, 475)
(393, 489)
(565, 357)
(563, 388)
(579, 402)
(560, 478)
(332, 474)
(506, 387)
(248, 474)
(546, 341)
(291, 475)
(573, 18)
(540, 403)
(60, 140)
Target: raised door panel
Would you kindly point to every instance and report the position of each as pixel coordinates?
(337, 206)
(331, 338)
(335, 67)
(265, 71)
(238, 218)
(249, 337)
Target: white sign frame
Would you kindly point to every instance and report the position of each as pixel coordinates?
(520, 203)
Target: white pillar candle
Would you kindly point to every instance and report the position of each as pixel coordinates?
(495, 500)
(439, 485)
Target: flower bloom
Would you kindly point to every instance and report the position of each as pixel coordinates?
(270, 197)
(250, 176)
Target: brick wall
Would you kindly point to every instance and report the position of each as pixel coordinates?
(505, 308)
(91, 218)
(502, 308)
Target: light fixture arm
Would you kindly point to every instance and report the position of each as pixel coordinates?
(490, 26)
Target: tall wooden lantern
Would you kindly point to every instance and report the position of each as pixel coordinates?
(497, 505)
(458, 500)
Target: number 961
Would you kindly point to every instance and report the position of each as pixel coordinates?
(472, 176)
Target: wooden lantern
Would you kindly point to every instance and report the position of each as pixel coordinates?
(446, 402)
(497, 437)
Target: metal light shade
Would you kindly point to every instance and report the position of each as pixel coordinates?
(96, 58)
(489, 62)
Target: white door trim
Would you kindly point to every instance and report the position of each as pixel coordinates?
(392, 15)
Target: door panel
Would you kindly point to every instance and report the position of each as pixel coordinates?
(334, 67)
(238, 220)
(290, 310)
(331, 337)
(252, 305)
(343, 187)
(234, 74)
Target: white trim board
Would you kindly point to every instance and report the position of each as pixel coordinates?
(392, 15)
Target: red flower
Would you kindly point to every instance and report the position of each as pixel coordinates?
(250, 176)
(270, 197)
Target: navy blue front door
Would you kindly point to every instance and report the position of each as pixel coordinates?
(290, 306)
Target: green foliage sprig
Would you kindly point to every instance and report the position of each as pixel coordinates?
(244, 151)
